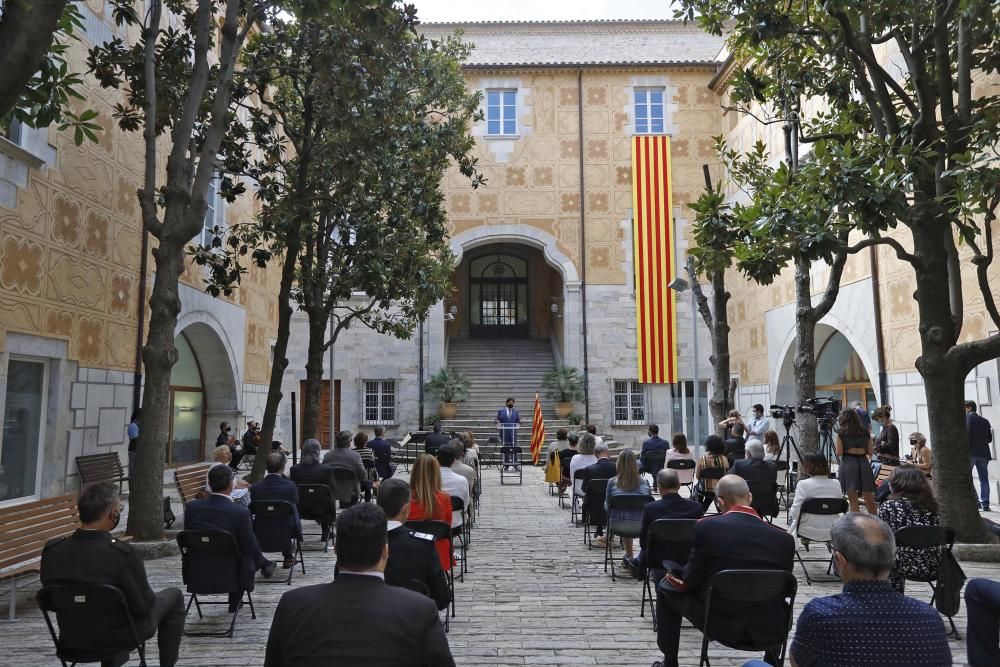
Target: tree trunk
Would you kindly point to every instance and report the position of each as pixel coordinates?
(944, 380)
(722, 395)
(145, 518)
(804, 362)
(314, 375)
(26, 33)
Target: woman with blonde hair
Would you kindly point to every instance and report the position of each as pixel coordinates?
(429, 502)
(920, 453)
(628, 482)
(772, 446)
(223, 455)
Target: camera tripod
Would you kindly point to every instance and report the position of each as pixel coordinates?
(826, 440)
(787, 445)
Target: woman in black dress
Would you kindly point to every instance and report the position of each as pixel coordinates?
(854, 446)
(887, 442)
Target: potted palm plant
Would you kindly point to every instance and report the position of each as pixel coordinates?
(564, 385)
(449, 386)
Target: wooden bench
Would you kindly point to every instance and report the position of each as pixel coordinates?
(190, 480)
(24, 531)
(105, 467)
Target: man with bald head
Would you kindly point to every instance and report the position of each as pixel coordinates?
(735, 539)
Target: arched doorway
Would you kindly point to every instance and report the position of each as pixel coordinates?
(841, 375)
(187, 407)
(498, 296)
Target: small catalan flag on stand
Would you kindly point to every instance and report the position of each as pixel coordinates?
(537, 432)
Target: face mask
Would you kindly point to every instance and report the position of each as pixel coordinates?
(913, 442)
(510, 406)
(228, 429)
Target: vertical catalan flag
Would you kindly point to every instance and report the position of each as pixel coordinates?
(537, 432)
(653, 240)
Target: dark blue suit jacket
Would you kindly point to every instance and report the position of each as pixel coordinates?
(670, 506)
(276, 487)
(654, 444)
(980, 435)
(220, 513)
(383, 457)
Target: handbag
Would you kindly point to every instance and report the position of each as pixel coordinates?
(948, 587)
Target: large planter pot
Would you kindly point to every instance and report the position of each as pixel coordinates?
(564, 409)
(447, 410)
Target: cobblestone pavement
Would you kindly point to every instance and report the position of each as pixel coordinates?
(534, 595)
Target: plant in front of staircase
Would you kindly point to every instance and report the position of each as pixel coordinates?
(450, 386)
(564, 385)
(574, 418)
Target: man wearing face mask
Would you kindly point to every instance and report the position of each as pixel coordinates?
(508, 421)
(92, 556)
(227, 438)
(758, 424)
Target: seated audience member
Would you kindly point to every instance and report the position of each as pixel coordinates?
(411, 555)
(357, 619)
(429, 502)
(911, 503)
(920, 453)
(736, 443)
(735, 539)
(367, 455)
(680, 451)
(982, 602)
(453, 483)
(868, 623)
(219, 512)
(274, 486)
(383, 454)
(714, 458)
(227, 439)
(310, 471)
(565, 456)
(466, 471)
(754, 468)
(583, 458)
(772, 446)
(435, 439)
(816, 485)
(471, 450)
(559, 444)
(626, 482)
(602, 468)
(91, 555)
(222, 455)
(652, 445)
(342, 456)
(669, 506)
(592, 430)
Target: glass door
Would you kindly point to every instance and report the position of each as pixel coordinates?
(23, 429)
(188, 425)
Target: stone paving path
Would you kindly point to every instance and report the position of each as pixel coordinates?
(534, 595)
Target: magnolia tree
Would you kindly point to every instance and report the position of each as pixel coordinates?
(920, 152)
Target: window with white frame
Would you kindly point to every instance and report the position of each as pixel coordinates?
(649, 110)
(215, 212)
(15, 132)
(501, 112)
(24, 413)
(379, 405)
(630, 402)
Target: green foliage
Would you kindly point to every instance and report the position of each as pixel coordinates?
(563, 384)
(448, 385)
(574, 418)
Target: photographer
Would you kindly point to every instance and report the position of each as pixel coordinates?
(732, 419)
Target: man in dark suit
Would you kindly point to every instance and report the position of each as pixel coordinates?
(342, 456)
(980, 437)
(669, 506)
(357, 619)
(754, 468)
(737, 538)
(654, 445)
(507, 420)
(736, 444)
(435, 439)
(274, 486)
(383, 454)
(219, 512)
(412, 556)
(603, 469)
(310, 471)
(92, 556)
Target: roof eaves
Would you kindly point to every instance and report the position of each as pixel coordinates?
(593, 63)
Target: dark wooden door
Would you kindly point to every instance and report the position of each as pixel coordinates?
(323, 423)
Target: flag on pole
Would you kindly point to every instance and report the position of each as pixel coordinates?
(537, 432)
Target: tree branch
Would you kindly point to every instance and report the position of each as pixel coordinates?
(26, 34)
(147, 194)
(901, 252)
(832, 286)
(699, 294)
(940, 23)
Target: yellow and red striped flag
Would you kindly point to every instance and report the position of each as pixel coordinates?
(537, 432)
(653, 242)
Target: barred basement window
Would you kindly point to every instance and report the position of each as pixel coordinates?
(630, 402)
(379, 402)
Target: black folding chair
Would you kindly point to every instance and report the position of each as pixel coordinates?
(624, 520)
(246, 463)
(782, 480)
(273, 524)
(682, 464)
(439, 530)
(749, 587)
(593, 513)
(765, 498)
(346, 486)
(210, 566)
(511, 459)
(461, 532)
(574, 496)
(660, 533)
(78, 605)
(928, 537)
(316, 503)
(818, 507)
(652, 463)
